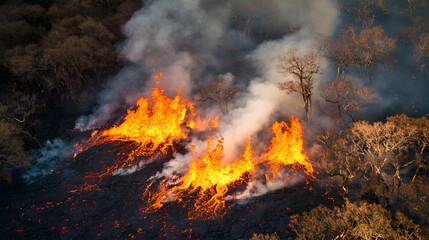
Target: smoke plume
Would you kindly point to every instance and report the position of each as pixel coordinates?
(192, 42)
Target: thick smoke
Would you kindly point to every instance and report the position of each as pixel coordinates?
(192, 42)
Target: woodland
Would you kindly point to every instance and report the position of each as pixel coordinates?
(55, 55)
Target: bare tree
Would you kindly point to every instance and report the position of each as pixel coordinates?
(346, 99)
(419, 140)
(373, 47)
(218, 91)
(418, 36)
(341, 50)
(366, 11)
(303, 70)
(380, 146)
(336, 160)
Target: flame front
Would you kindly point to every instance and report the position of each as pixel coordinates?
(208, 175)
(287, 147)
(150, 129)
(153, 126)
(210, 179)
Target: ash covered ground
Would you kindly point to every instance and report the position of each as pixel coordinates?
(67, 205)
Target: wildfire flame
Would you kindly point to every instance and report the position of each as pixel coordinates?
(154, 126)
(151, 128)
(287, 147)
(209, 178)
(202, 125)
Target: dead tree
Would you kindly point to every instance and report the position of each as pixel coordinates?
(217, 91)
(303, 71)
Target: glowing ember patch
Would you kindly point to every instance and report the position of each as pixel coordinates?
(210, 179)
(287, 147)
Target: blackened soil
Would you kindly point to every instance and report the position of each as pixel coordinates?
(68, 204)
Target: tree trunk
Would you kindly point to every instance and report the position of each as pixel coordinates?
(386, 193)
(306, 107)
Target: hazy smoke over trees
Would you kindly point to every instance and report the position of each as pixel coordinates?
(193, 42)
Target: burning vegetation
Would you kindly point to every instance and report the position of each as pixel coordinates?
(212, 147)
(150, 131)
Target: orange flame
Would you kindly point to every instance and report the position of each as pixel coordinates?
(156, 123)
(202, 125)
(287, 147)
(151, 128)
(210, 179)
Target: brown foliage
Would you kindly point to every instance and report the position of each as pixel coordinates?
(115, 21)
(418, 36)
(335, 159)
(346, 99)
(342, 51)
(416, 197)
(264, 237)
(366, 11)
(376, 154)
(12, 152)
(362, 50)
(418, 140)
(380, 147)
(354, 221)
(75, 51)
(373, 47)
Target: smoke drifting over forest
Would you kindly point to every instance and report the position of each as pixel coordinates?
(363, 65)
(192, 42)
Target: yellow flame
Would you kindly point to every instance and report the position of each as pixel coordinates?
(151, 129)
(287, 147)
(210, 179)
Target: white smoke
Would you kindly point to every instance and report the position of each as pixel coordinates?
(264, 101)
(193, 41)
(132, 169)
(45, 160)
